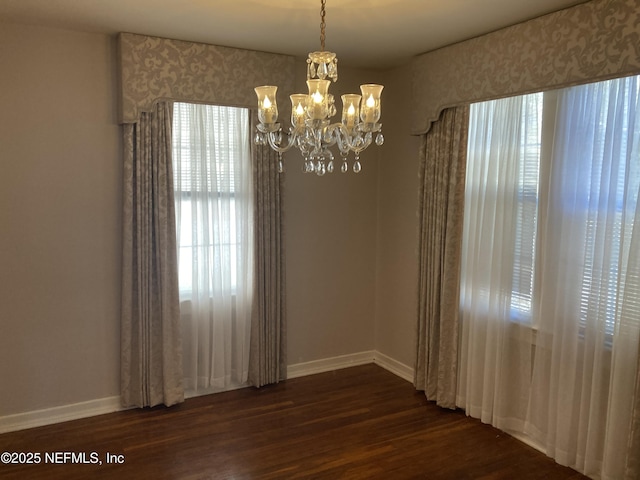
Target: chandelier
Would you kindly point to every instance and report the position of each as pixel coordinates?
(311, 130)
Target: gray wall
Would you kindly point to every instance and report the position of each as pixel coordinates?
(331, 247)
(60, 217)
(397, 225)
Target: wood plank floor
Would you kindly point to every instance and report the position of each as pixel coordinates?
(357, 423)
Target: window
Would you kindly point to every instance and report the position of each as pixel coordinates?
(552, 169)
(214, 225)
(502, 191)
(550, 279)
(211, 158)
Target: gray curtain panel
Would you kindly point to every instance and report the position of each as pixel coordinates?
(151, 357)
(268, 354)
(441, 212)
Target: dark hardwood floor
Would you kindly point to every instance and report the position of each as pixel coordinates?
(357, 423)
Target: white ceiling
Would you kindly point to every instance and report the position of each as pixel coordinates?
(364, 33)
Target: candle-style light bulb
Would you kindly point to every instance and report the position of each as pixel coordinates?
(370, 108)
(267, 108)
(371, 102)
(317, 104)
(350, 109)
(298, 103)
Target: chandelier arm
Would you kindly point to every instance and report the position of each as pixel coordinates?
(332, 135)
(349, 142)
(368, 140)
(340, 135)
(291, 140)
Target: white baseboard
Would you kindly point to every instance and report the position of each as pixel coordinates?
(399, 369)
(48, 416)
(345, 361)
(330, 364)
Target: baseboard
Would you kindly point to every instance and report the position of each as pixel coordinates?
(399, 369)
(345, 361)
(329, 364)
(48, 416)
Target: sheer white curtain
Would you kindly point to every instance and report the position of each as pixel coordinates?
(587, 346)
(551, 275)
(214, 210)
(497, 260)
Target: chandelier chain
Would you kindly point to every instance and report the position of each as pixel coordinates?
(322, 24)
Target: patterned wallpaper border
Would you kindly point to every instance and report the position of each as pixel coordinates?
(592, 41)
(153, 68)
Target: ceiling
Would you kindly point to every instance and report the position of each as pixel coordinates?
(364, 33)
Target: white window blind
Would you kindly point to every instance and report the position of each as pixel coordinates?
(527, 206)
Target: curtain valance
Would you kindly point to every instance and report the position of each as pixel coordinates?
(596, 40)
(153, 69)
